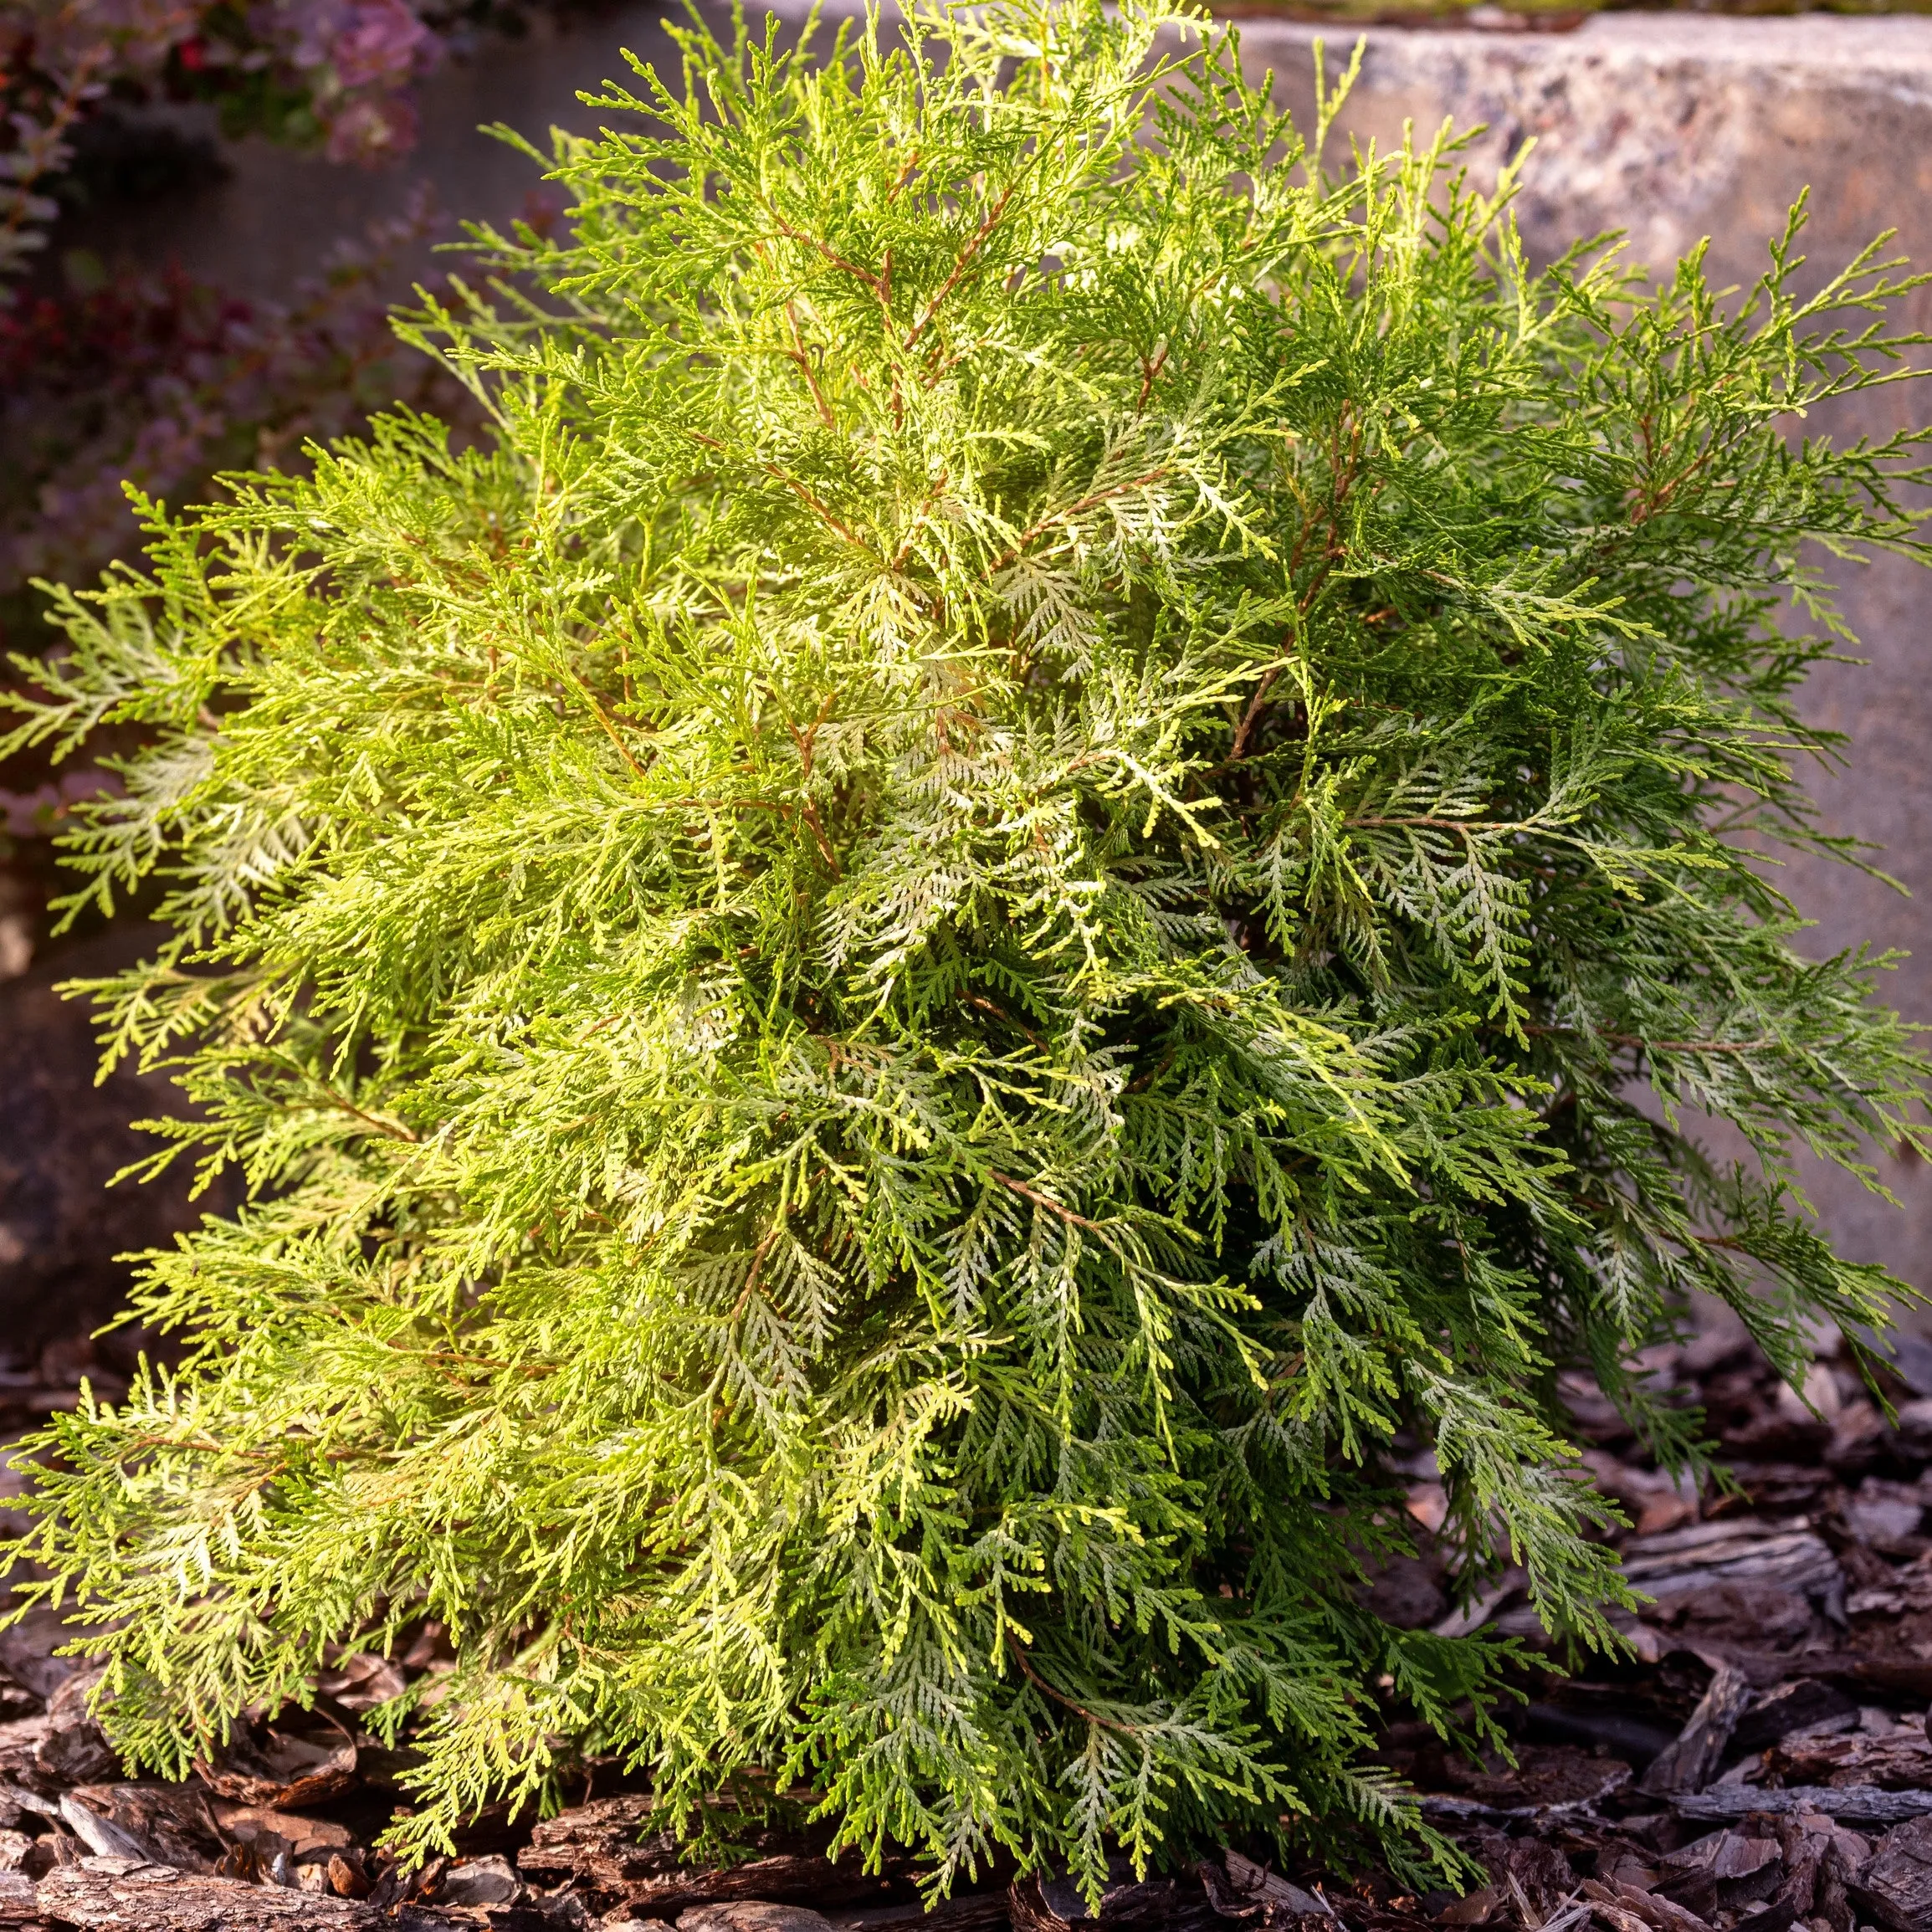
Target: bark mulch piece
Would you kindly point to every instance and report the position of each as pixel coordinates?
(1896, 1887)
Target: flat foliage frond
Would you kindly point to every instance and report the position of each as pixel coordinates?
(1057, 834)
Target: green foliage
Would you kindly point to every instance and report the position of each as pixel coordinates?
(1046, 844)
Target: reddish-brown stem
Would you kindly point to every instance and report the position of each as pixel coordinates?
(1046, 1201)
(1072, 511)
(1149, 373)
(1060, 1696)
(975, 242)
(825, 515)
(803, 358)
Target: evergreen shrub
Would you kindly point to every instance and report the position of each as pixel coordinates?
(1049, 853)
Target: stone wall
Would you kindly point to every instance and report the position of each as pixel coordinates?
(1674, 127)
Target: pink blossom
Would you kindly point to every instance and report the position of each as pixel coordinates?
(382, 44)
(371, 130)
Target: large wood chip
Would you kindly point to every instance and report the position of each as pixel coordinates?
(611, 1844)
(787, 1880)
(975, 1912)
(73, 1751)
(1890, 1673)
(1731, 1868)
(1249, 1885)
(119, 1895)
(1788, 1556)
(159, 1824)
(1691, 1762)
(122, 1895)
(1615, 1916)
(1547, 1781)
(1896, 1888)
(1126, 1905)
(752, 1915)
(1901, 1760)
(20, 1740)
(1850, 1805)
(1838, 1874)
(613, 1835)
(1659, 1913)
(305, 1835)
(1804, 1855)
(1796, 1704)
(281, 1770)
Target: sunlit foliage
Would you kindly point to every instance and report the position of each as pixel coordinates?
(1048, 843)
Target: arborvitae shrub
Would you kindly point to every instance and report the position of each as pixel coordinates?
(1049, 844)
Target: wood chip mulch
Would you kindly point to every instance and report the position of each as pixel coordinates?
(1760, 1761)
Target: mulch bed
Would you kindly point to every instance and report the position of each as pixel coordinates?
(1760, 1763)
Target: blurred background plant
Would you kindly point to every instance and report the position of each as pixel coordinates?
(157, 378)
(162, 380)
(334, 74)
